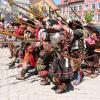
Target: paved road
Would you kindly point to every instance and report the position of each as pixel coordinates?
(30, 89)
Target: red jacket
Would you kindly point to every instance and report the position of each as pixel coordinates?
(19, 31)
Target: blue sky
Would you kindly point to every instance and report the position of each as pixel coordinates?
(57, 1)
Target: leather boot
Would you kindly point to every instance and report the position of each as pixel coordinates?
(45, 81)
(22, 75)
(61, 88)
(11, 64)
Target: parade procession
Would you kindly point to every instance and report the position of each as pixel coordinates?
(57, 51)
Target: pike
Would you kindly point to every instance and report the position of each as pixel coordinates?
(49, 3)
(22, 21)
(9, 34)
(32, 10)
(7, 42)
(67, 3)
(41, 7)
(11, 2)
(19, 20)
(26, 16)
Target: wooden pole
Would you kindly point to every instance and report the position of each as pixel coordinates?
(31, 9)
(10, 34)
(19, 20)
(12, 3)
(22, 21)
(57, 14)
(26, 10)
(73, 11)
(27, 17)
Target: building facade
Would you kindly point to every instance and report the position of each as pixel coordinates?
(80, 7)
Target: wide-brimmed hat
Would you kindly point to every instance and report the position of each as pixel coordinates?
(77, 23)
(15, 24)
(30, 22)
(93, 27)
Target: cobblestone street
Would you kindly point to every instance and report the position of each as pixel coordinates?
(30, 89)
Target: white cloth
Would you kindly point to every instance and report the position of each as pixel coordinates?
(56, 38)
(42, 34)
(76, 46)
(67, 62)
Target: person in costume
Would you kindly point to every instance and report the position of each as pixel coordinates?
(2, 38)
(44, 62)
(29, 61)
(76, 49)
(60, 73)
(30, 31)
(92, 43)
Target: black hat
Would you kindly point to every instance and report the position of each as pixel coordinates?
(30, 22)
(77, 23)
(52, 22)
(78, 34)
(94, 28)
(15, 24)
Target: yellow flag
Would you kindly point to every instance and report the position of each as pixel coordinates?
(36, 6)
(10, 2)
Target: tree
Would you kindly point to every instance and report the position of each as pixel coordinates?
(88, 16)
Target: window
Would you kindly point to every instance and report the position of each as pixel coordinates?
(86, 7)
(75, 8)
(93, 17)
(99, 17)
(71, 8)
(61, 10)
(99, 5)
(80, 8)
(66, 10)
(93, 6)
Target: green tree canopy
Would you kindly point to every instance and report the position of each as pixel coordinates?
(88, 16)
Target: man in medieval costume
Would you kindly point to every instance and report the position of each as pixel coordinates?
(76, 49)
(60, 73)
(29, 61)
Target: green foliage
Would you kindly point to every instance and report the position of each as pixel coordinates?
(88, 16)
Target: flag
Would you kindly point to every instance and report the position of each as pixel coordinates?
(10, 2)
